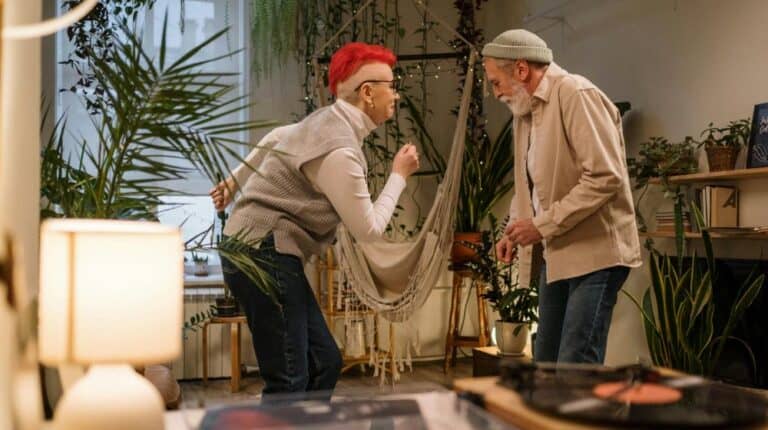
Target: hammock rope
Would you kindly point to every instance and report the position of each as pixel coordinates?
(394, 279)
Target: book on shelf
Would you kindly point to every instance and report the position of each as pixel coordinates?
(665, 221)
(720, 206)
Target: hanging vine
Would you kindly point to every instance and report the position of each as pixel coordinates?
(274, 29)
(280, 27)
(487, 163)
(94, 36)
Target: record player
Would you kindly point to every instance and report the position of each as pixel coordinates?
(631, 396)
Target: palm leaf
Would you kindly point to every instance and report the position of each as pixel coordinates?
(159, 122)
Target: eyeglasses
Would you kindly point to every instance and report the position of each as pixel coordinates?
(394, 84)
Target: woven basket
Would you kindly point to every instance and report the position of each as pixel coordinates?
(721, 157)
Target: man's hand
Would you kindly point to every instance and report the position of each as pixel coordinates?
(523, 232)
(505, 250)
(406, 161)
(221, 195)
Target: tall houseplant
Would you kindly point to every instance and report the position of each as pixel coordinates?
(487, 163)
(678, 309)
(156, 113)
(486, 178)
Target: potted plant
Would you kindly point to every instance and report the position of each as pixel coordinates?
(158, 111)
(516, 306)
(200, 262)
(487, 177)
(678, 309)
(723, 144)
(660, 158)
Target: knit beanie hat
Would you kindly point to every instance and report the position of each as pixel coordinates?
(518, 45)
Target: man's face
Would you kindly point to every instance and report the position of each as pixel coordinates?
(507, 88)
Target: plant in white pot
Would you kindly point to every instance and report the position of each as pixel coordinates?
(517, 306)
(201, 264)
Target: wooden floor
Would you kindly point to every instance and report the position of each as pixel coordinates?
(425, 376)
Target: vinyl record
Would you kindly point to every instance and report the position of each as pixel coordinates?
(633, 396)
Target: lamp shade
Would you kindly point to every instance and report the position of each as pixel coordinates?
(110, 292)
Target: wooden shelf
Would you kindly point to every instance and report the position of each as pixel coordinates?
(724, 175)
(671, 235)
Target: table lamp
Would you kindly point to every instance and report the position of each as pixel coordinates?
(110, 297)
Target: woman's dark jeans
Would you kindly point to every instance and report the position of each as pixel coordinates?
(295, 349)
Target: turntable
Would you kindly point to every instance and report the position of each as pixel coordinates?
(588, 396)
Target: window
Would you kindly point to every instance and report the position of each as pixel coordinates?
(187, 28)
(194, 214)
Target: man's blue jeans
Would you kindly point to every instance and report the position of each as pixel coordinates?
(575, 314)
(295, 349)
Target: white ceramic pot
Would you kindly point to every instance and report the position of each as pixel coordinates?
(508, 342)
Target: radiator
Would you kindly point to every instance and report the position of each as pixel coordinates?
(189, 365)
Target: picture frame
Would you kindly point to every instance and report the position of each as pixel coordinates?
(757, 148)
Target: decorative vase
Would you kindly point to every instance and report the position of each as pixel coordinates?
(721, 157)
(508, 342)
(461, 253)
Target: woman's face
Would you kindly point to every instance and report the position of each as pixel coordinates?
(381, 96)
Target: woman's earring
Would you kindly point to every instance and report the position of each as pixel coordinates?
(370, 103)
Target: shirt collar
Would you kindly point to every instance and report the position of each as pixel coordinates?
(553, 73)
(360, 122)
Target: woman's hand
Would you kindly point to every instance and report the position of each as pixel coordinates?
(406, 161)
(221, 195)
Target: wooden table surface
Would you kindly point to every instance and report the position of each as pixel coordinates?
(509, 406)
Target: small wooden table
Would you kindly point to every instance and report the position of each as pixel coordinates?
(234, 345)
(453, 339)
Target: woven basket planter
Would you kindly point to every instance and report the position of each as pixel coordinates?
(721, 157)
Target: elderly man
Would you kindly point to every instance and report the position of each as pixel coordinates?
(572, 199)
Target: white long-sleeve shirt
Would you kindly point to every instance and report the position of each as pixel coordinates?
(341, 178)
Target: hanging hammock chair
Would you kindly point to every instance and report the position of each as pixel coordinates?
(395, 278)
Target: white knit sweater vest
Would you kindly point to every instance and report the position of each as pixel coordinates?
(280, 199)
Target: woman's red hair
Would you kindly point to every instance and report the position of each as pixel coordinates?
(350, 57)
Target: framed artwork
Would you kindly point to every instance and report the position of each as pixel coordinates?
(757, 150)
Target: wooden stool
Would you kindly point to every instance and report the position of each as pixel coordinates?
(452, 338)
(234, 345)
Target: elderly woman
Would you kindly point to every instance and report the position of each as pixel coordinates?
(296, 201)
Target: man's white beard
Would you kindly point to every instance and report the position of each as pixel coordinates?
(519, 104)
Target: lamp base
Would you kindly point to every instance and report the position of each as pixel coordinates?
(111, 397)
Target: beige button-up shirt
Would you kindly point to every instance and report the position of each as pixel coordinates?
(587, 216)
